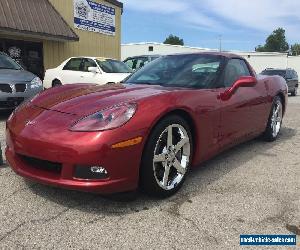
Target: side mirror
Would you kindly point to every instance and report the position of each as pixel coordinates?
(242, 82)
(245, 81)
(94, 70)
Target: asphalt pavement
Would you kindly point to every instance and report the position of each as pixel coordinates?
(253, 188)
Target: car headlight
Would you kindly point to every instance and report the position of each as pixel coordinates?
(110, 118)
(36, 83)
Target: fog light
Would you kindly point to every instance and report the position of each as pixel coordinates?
(90, 172)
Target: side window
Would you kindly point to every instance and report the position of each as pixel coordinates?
(234, 69)
(289, 74)
(129, 63)
(137, 63)
(140, 62)
(74, 64)
(88, 63)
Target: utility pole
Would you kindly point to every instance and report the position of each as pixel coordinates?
(220, 43)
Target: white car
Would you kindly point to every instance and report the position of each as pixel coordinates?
(96, 70)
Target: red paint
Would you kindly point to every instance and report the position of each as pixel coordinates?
(221, 118)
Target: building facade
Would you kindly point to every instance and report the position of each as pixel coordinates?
(40, 34)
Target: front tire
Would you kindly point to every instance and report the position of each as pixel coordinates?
(275, 120)
(167, 157)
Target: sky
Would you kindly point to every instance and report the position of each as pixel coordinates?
(242, 24)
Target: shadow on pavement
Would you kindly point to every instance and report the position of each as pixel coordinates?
(4, 114)
(197, 181)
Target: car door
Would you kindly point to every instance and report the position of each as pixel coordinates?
(292, 80)
(71, 72)
(236, 112)
(296, 81)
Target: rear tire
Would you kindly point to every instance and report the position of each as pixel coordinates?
(56, 83)
(167, 157)
(295, 91)
(275, 120)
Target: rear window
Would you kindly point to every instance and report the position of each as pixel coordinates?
(274, 73)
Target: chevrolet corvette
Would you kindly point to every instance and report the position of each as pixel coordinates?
(147, 132)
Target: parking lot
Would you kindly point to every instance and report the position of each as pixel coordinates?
(251, 189)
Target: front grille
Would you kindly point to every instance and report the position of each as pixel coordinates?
(4, 87)
(20, 87)
(48, 166)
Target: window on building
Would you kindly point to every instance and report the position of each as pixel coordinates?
(151, 49)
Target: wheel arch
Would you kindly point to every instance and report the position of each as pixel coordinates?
(55, 79)
(283, 100)
(185, 115)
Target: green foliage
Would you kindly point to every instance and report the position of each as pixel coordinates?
(295, 49)
(174, 40)
(276, 42)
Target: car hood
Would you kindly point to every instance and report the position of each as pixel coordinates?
(11, 76)
(82, 99)
(117, 77)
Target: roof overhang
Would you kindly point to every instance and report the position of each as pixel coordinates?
(20, 18)
(116, 3)
(37, 35)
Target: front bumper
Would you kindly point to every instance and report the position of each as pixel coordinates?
(122, 165)
(12, 100)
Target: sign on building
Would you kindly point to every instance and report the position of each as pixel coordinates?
(94, 17)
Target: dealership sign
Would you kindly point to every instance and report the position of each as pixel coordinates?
(94, 17)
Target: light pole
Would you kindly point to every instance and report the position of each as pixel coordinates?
(220, 43)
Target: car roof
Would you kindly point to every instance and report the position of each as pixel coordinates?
(276, 69)
(224, 54)
(143, 56)
(93, 58)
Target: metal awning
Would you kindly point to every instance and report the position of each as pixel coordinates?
(34, 18)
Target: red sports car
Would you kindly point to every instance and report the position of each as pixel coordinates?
(147, 132)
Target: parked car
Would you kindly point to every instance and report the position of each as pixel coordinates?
(137, 62)
(148, 132)
(290, 75)
(16, 84)
(95, 70)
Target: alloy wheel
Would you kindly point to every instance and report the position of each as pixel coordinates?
(171, 156)
(276, 119)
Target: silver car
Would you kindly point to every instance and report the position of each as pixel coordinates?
(16, 84)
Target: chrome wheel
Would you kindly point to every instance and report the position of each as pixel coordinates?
(171, 156)
(276, 119)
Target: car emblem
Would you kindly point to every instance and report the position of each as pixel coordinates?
(13, 88)
(30, 123)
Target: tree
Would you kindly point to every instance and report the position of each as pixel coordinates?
(174, 40)
(276, 42)
(295, 49)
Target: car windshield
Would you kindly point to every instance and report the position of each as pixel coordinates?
(190, 71)
(274, 73)
(8, 63)
(113, 66)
